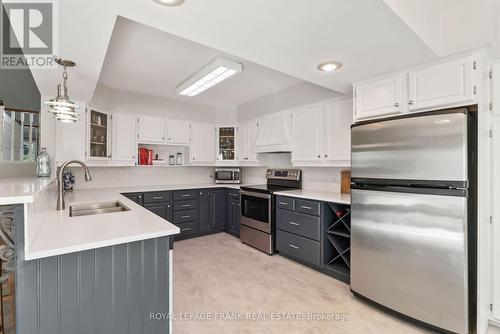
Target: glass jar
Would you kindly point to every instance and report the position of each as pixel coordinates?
(180, 159)
(43, 163)
(171, 160)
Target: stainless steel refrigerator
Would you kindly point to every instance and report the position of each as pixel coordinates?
(413, 237)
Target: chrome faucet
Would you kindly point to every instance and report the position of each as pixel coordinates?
(60, 185)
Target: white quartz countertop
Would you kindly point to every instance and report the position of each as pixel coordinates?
(21, 189)
(319, 195)
(51, 232)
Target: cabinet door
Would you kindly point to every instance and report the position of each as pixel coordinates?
(228, 218)
(496, 215)
(177, 132)
(378, 98)
(203, 211)
(236, 206)
(445, 84)
(241, 137)
(338, 120)
(202, 143)
(124, 145)
(252, 129)
(495, 88)
(159, 209)
(151, 130)
(98, 134)
(138, 198)
(307, 134)
(226, 143)
(217, 208)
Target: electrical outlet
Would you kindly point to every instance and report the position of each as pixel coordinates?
(336, 178)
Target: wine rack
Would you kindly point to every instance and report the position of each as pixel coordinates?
(337, 241)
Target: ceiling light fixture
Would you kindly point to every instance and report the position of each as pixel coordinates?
(329, 66)
(170, 3)
(61, 107)
(217, 71)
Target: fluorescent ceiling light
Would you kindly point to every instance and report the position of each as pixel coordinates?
(329, 66)
(217, 71)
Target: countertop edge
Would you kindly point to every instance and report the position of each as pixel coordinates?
(28, 256)
(323, 198)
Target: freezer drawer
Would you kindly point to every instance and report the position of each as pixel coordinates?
(409, 253)
(431, 148)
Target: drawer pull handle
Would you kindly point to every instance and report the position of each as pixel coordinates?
(293, 246)
(185, 205)
(186, 229)
(306, 207)
(157, 197)
(282, 203)
(186, 195)
(185, 216)
(294, 223)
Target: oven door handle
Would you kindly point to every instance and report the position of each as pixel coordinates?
(254, 194)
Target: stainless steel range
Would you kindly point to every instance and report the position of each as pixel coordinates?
(258, 207)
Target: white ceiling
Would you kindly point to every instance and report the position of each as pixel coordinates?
(149, 61)
(290, 36)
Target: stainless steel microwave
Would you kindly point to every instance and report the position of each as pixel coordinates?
(228, 175)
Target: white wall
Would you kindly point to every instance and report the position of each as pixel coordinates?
(313, 178)
(139, 176)
(292, 97)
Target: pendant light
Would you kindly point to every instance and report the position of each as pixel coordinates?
(61, 107)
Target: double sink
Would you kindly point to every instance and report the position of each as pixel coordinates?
(77, 210)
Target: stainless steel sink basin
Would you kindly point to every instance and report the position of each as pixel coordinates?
(96, 208)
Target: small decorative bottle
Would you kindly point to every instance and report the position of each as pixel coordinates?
(43, 164)
(180, 159)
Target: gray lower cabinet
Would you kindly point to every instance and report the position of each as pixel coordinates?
(105, 290)
(233, 212)
(298, 247)
(217, 205)
(195, 211)
(315, 233)
(211, 209)
(163, 210)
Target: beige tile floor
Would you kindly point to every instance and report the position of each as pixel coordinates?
(218, 277)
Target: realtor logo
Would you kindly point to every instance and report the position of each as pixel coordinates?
(28, 34)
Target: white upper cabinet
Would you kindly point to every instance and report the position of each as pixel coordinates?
(124, 144)
(177, 132)
(151, 130)
(98, 135)
(495, 88)
(247, 137)
(202, 144)
(495, 188)
(227, 139)
(307, 134)
(338, 120)
(275, 133)
(378, 98)
(445, 84)
(322, 135)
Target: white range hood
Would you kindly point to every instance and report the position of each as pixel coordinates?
(275, 133)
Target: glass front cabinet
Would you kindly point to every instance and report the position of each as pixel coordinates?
(226, 143)
(98, 134)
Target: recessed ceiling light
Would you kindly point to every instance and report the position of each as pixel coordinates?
(170, 3)
(329, 66)
(217, 71)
